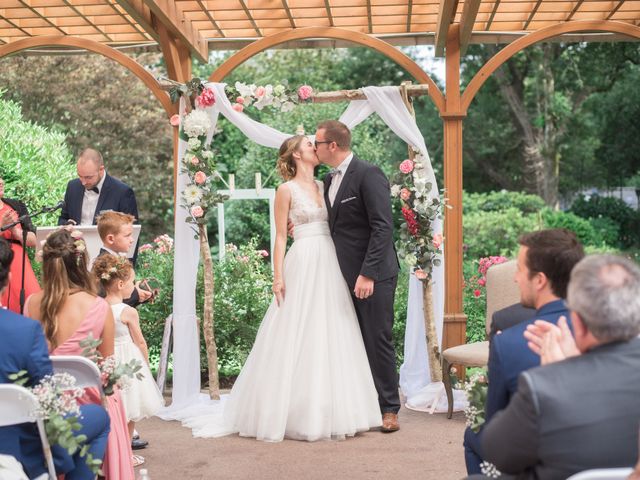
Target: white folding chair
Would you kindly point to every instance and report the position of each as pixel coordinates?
(86, 373)
(603, 474)
(18, 405)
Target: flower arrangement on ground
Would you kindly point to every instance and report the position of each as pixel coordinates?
(57, 397)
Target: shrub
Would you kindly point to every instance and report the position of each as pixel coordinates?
(581, 227)
(400, 314)
(625, 217)
(474, 303)
(502, 200)
(34, 162)
(495, 232)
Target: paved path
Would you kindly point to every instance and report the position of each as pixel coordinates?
(427, 447)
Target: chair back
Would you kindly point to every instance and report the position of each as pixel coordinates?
(18, 405)
(603, 474)
(86, 373)
(502, 291)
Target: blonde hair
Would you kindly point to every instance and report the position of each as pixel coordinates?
(64, 266)
(109, 222)
(107, 269)
(286, 165)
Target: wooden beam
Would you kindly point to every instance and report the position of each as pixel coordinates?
(369, 19)
(531, 15)
(327, 7)
(167, 13)
(250, 17)
(617, 7)
(467, 20)
(141, 14)
(176, 56)
(409, 11)
(446, 13)
(286, 9)
(573, 12)
(89, 22)
(493, 14)
(204, 8)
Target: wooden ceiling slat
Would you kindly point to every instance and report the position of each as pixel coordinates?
(350, 21)
(575, 9)
(493, 14)
(370, 21)
(211, 19)
(532, 14)
(327, 7)
(101, 30)
(409, 13)
(248, 13)
(286, 8)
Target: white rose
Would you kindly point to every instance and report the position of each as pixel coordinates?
(395, 190)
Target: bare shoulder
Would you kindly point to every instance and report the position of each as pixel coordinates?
(284, 192)
(129, 314)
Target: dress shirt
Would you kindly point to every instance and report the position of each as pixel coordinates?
(90, 202)
(336, 180)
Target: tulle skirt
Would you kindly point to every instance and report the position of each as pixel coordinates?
(141, 398)
(307, 376)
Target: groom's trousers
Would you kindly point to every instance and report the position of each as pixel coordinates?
(375, 316)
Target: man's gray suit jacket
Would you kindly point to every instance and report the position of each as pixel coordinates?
(566, 417)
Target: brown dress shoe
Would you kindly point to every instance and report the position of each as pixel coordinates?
(390, 423)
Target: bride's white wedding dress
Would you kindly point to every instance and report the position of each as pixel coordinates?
(307, 376)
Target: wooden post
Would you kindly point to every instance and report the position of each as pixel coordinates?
(455, 321)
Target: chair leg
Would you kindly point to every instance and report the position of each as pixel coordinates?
(446, 378)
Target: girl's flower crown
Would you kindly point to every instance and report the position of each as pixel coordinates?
(121, 262)
(79, 245)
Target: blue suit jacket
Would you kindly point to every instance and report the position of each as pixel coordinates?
(509, 355)
(115, 195)
(23, 347)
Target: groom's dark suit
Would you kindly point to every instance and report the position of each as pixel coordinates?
(361, 226)
(114, 195)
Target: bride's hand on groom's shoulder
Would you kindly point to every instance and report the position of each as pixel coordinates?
(278, 290)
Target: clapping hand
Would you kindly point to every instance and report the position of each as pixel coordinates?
(553, 343)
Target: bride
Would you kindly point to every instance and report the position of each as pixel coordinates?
(307, 376)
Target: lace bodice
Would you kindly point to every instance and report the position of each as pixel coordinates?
(304, 208)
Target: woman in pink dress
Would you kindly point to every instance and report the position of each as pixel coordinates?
(70, 311)
(10, 210)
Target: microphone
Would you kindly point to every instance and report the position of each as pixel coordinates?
(58, 206)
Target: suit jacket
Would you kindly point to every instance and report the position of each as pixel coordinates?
(361, 223)
(509, 356)
(23, 347)
(115, 195)
(508, 317)
(578, 414)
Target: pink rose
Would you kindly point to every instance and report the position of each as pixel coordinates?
(145, 247)
(207, 98)
(437, 240)
(197, 211)
(175, 120)
(243, 259)
(482, 282)
(305, 92)
(260, 91)
(240, 100)
(477, 293)
(406, 166)
(405, 194)
(194, 160)
(238, 107)
(421, 274)
(263, 253)
(200, 177)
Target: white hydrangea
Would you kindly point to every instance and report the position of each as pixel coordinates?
(196, 123)
(395, 190)
(193, 143)
(287, 106)
(410, 259)
(278, 90)
(208, 154)
(245, 90)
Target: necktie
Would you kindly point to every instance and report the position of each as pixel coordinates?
(335, 183)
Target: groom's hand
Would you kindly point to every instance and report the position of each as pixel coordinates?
(364, 287)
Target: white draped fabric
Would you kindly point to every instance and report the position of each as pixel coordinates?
(414, 374)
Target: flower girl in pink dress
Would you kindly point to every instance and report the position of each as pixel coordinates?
(69, 311)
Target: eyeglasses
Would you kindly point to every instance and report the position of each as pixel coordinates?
(316, 142)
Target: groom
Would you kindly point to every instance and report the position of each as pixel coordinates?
(359, 204)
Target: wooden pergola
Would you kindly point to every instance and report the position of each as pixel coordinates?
(186, 29)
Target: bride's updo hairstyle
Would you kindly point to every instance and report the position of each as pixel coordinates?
(108, 269)
(286, 164)
(64, 267)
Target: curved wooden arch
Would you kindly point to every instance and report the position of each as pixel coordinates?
(99, 48)
(335, 33)
(507, 52)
